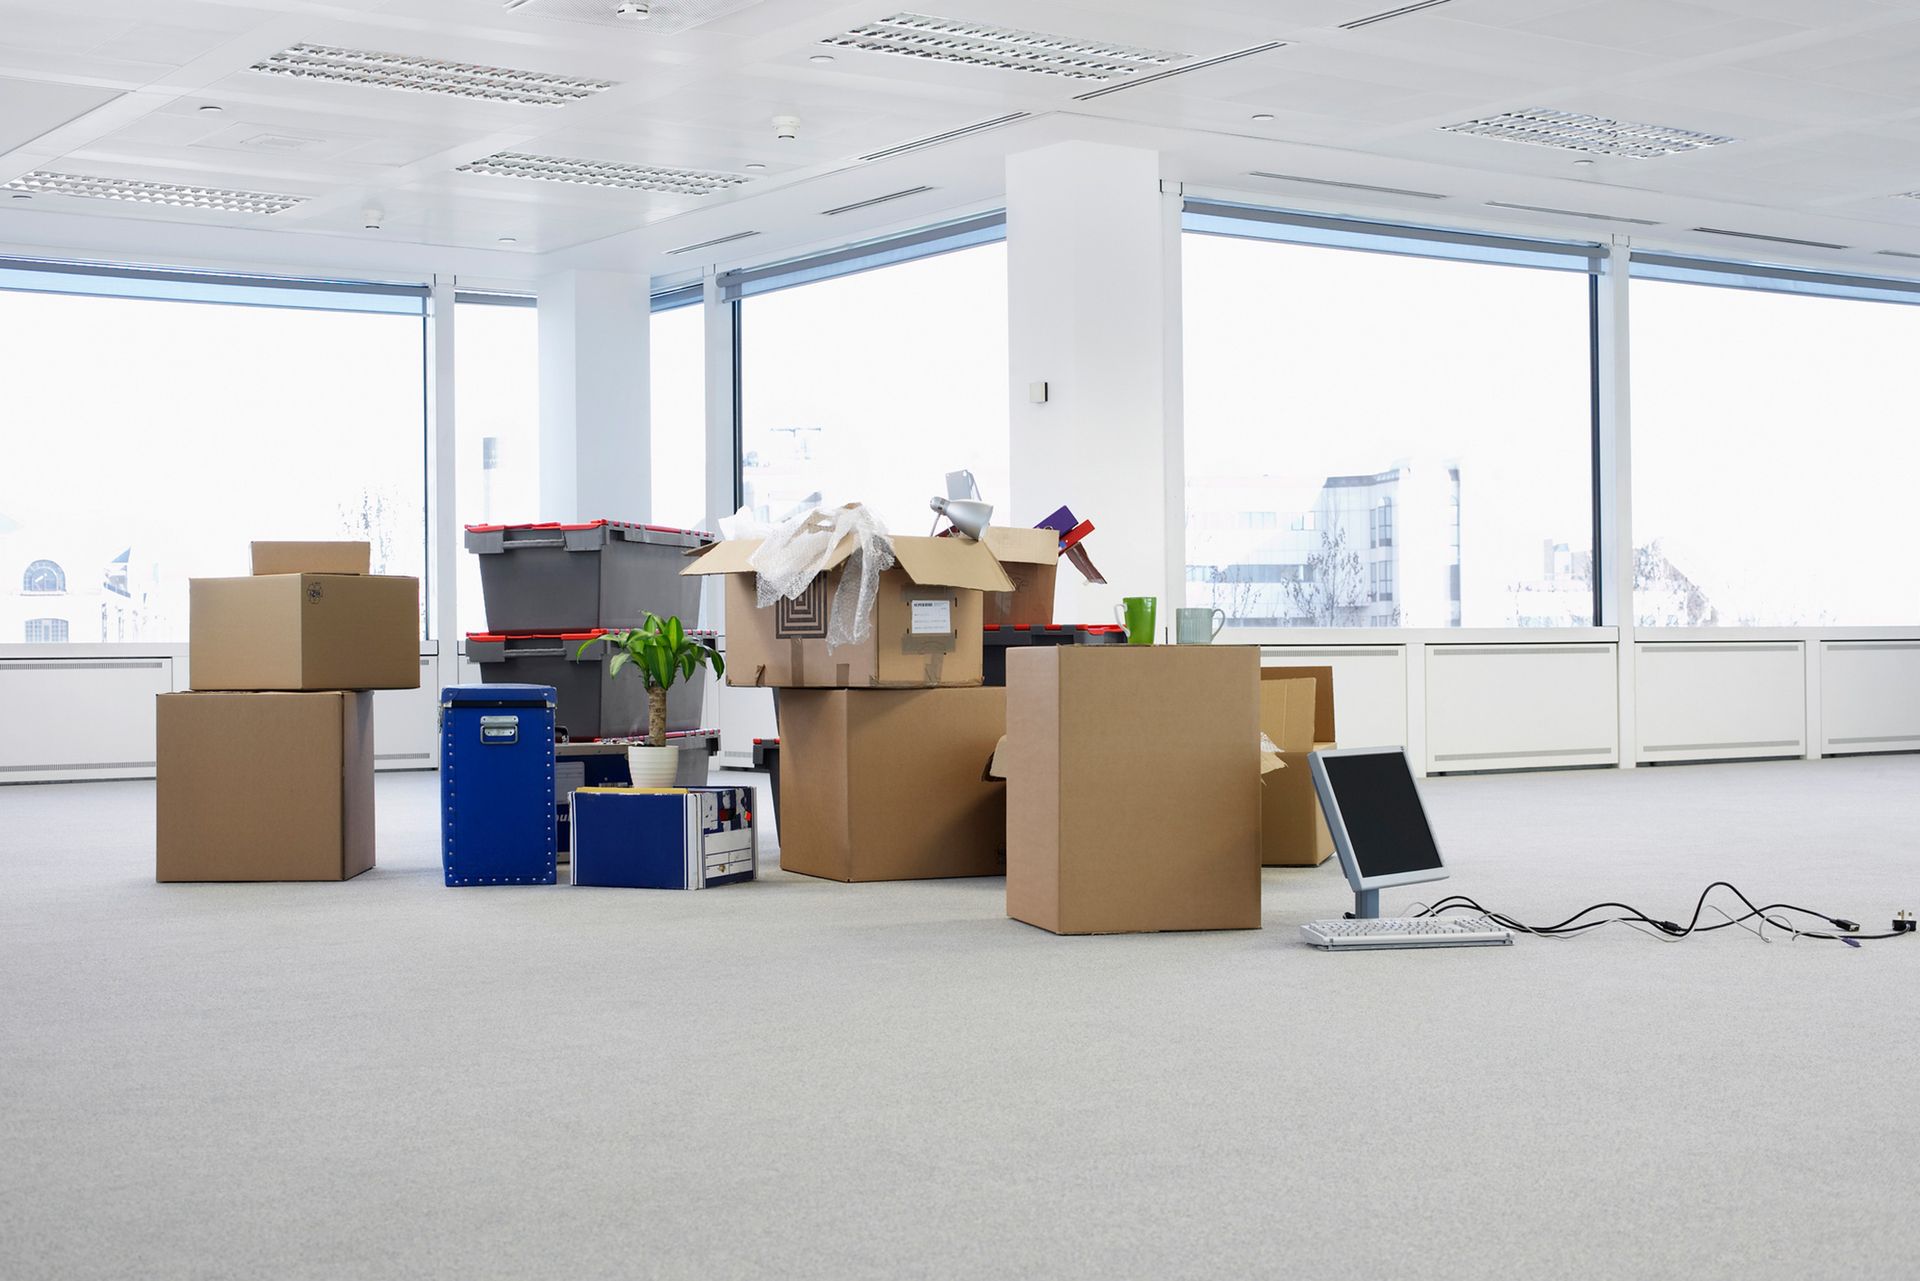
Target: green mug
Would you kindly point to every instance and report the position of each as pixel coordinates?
(1136, 613)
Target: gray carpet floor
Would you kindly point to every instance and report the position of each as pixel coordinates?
(388, 1078)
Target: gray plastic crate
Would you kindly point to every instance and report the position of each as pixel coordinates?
(573, 578)
(592, 704)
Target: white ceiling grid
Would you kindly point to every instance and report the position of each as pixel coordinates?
(1822, 98)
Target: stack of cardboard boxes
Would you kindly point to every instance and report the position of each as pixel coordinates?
(881, 741)
(265, 769)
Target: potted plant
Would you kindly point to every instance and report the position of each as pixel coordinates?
(662, 652)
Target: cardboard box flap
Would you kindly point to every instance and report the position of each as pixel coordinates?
(1288, 700)
(335, 557)
(951, 562)
(1023, 546)
(735, 556)
(996, 771)
(1323, 728)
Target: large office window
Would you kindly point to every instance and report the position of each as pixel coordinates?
(496, 361)
(870, 387)
(156, 423)
(678, 385)
(1773, 435)
(1386, 432)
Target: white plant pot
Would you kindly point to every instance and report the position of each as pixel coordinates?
(653, 766)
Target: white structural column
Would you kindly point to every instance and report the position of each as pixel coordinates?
(1091, 278)
(723, 463)
(595, 446)
(1615, 496)
(442, 514)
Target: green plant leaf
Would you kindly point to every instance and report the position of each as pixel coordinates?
(619, 661)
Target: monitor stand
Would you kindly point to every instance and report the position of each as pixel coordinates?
(1366, 905)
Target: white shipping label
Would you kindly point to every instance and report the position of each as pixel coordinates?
(932, 617)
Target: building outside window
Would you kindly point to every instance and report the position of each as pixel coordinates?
(229, 390)
(870, 387)
(1771, 414)
(496, 371)
(677, 340)
(1419, 416)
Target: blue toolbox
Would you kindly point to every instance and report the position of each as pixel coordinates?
(685, 838)
(496, 784)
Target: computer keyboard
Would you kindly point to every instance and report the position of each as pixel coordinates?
(1405, 931)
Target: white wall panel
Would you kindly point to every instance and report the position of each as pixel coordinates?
(79, 718)
(1520, 706)
(1369, 689)
(1698, 702)
(1870, 696)
(406, 722)
(745, 714)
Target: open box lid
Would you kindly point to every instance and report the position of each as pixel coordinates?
(931, 562)
(1023, 546)
(1296, 706)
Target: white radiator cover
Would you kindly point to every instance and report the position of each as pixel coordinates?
(1720, 701)
(1521, 706)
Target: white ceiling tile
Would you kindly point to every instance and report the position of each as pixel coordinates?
(29, 108)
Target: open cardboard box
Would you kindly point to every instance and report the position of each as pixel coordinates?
(1031, 559)
(1134, 787)
(1296, 713)
(926, 619)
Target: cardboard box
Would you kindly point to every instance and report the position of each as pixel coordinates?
(1133, 788)
(926, 621)
(304, 632)
(1296, 712)
(1031, 559)
(691, 838)
(313, 558)
(264, 787)
(885, 785)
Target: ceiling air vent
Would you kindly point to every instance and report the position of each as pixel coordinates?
(1772, 240)
(1572, 213)
(717, 240)
(175, 195)
(1599, 135)
(603, 173)
(980, 44)
(1185, 68)
(428, 75)
(935, 139)
(662, 18)
(1895, 253)
(1347, 186)
(1401, 12)
(877, 200)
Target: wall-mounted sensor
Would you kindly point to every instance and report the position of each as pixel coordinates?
(633, 9)
(370, 218)
(786, 128)
(1037, 393)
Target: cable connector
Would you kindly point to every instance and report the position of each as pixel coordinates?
(1904, 923)
(1842, 923)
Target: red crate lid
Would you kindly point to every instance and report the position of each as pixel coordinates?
(590, 524)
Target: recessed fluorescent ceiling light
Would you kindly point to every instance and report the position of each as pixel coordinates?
(1573, 131)
(979, 44)
(428, 75)
(1349, 186)
(153, 193)
(717, 240)
(603, 173)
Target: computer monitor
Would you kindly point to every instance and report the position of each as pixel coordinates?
(1378, 824)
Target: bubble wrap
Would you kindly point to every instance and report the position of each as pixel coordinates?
(796, 550)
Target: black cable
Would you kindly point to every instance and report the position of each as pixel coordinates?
(1634, 916)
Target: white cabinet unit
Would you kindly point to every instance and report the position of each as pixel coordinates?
(79, 718)
(1698, 702)
(1520, 706)
(406, 722)
(1870, 696)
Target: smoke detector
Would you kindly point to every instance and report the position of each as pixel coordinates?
(637, 9)
(786, 128)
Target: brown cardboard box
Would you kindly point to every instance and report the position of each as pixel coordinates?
(1031, 559)
(926, 621)
(1133, 788)
(304, 632)
(313, 558)
(264, 787)
(884, 785)
(1296, 712)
